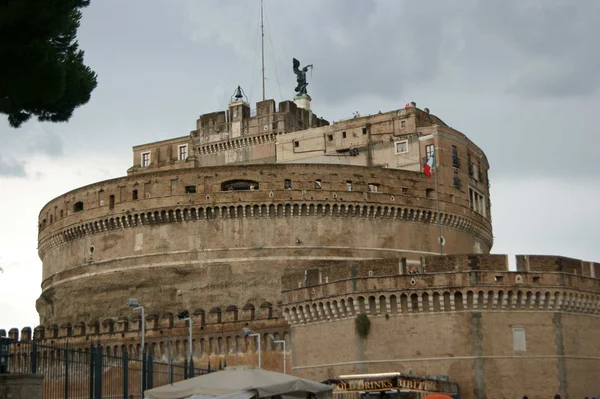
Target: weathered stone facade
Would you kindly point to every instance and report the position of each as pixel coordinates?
(496, 333)
(279, 221)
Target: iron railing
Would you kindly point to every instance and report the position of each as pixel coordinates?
(90, 373)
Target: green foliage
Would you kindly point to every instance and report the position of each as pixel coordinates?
(41, 68)
(363, 324)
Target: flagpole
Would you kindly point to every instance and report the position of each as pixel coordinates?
(437, 198)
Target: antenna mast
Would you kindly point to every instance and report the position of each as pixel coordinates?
(262, 48)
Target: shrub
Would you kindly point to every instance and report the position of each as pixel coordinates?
(363, 324)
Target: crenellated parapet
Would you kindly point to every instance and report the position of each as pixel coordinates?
(440, 284)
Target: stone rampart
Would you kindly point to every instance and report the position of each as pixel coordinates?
(231, 231)
(497, 333)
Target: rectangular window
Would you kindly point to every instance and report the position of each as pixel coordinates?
(343, 135)
(455, 161)
(401, 147)
(287, 184)
(373, 187)
(145, 159)
(477, 201)
(190, 189)
(518, 334)
(403, 124)
(364, 130)
(428, 151)
(457, 181)
(183, 152)
(318, 184)
(111, 202)
(134, 194)
(330, 137)
(296, 143)
(349, 185)
(475, 169)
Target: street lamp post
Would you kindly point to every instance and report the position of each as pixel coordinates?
(135, 304)
(282, 341)
(190, 324)
(257, 340)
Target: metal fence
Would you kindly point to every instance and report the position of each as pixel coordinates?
(89, 373)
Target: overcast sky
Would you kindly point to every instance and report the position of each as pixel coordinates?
(519, 77)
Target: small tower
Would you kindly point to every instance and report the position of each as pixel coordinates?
(239, 110)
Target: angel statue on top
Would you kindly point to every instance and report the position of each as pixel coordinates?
(301, 77)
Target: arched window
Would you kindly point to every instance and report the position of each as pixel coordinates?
(239, 185)
(78, 206)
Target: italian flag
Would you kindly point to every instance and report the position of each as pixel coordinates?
(429, 165)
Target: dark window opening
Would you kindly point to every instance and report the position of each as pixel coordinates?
(78, 206)
(364, 130)
(135, 194)
(349, 185)
(429, 192)
(455, 160)
(343, 135)
(428, 152)
(239, 185)
(287, 184)
(330, 137)
(61, 213)
(536, 279)
(457, 182)
(318, 184)
(499, 278)
(404, 190)
(50, 218)
(296, 144)
(190, 189)
(403, 124)
(111, 202)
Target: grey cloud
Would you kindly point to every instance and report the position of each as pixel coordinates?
(387, 48)
(12, 168)
(46, 142)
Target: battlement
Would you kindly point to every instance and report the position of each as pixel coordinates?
(538, 266)
(441, 283)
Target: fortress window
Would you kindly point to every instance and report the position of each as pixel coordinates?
(51, 218)
(78, 206)
(364, 130)
(373, 187)
(428, 151)
(455, 161)
(287, 184)
(190, 189)
(183, 152)
(111, 202)
(519, 339)
(343, 135)
(239, 185)
(61, 213)
(296, 143)
(429, 193)
(349, 185)
(477, 201)
(401, 147)
(403, 124)
(134, 194)
(330, 137)
(145, 159)
(318, 184)
(457, 183)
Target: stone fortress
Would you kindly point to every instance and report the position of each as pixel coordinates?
(281, 222)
